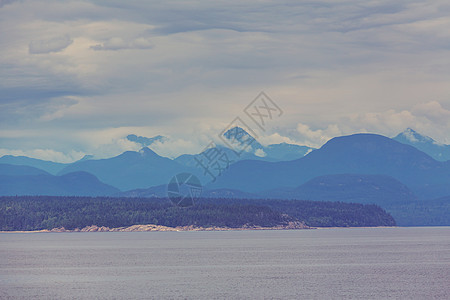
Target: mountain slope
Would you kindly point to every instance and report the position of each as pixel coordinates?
(273, 152)
(254, 151)
(17, 170)
(130, 170)
(426, 144)
(48, 166)
(357, 188)
(189, 160)
(72, 184)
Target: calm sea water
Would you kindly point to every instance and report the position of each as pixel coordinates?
(377, 263)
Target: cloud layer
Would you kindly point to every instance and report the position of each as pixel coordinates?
(56, 44)
(186, 69)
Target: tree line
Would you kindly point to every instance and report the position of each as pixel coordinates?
(47, 212)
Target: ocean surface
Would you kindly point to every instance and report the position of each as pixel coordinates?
(359, 263)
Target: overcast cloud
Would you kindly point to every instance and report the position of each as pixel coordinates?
(77, 76)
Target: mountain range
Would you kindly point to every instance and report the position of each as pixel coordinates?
(400, 174)
(354, 154)
(130, 170)
(254, 150)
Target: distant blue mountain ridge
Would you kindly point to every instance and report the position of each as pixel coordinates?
(354, 154)
(26, 180)
(254, 150)
(275, 166)
(363, 168)
(48, 166)
(137, 170)
(130, 170)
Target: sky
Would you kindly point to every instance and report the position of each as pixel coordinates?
(76, 77)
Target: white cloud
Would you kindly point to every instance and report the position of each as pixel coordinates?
(260, 153)
(433, 111)
(172, 148)
(275, 138)
(428, 118)
(45, 154)
(316, 138)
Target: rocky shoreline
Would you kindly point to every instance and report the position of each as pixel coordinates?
(152, 227)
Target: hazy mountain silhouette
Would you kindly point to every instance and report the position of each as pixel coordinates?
(254, 150)
(354, 154)
(130, 170)
(17, 170)
(48, 166)
(368, 154)
(72, 184)
(362, 168)
(358, 188)
(426, 144)
(385, 191)
(189, 160)
(273, 152)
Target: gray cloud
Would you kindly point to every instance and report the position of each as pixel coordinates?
(56, 44)
(334, 67)
(5, 2)
(117, 43)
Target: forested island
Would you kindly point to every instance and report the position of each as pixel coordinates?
(29, 213)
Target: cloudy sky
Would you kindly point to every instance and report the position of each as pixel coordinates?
(77, 76)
